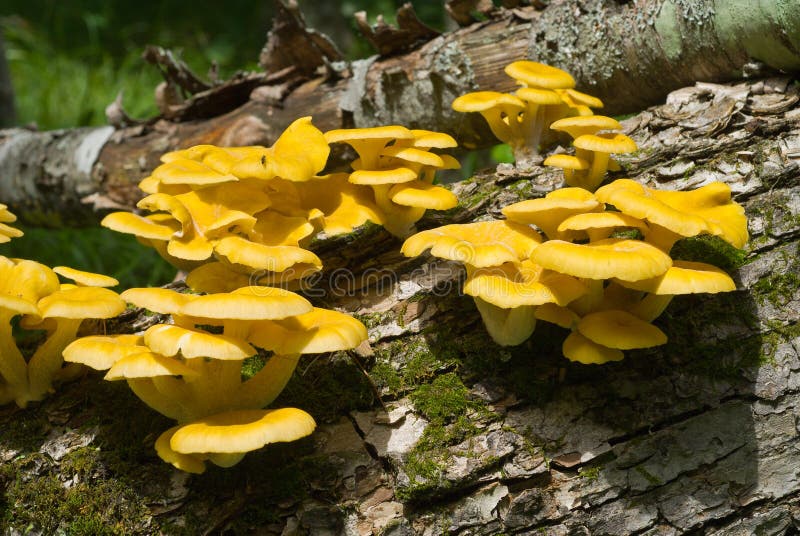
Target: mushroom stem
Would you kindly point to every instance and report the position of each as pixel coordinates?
(146, 390)
(47, 361)
(597, 172)
(507, 327)
(588, 302)
(265, 386)
(651, 306)
(661, 237)
(13, 368)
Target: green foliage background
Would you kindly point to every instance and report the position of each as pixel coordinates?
(69, 60)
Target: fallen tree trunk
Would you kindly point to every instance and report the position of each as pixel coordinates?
(628, 54)
(697, 436)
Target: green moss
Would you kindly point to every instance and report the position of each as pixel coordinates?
(778, 288)
(445, 397)
(590, 474)
(711, 250)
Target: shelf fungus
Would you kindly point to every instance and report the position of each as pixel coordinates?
(191, 369)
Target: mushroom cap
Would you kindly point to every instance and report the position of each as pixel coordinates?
(566, 161)
(100, 352)
(242, 431)
(300, 152)
(190, 172)
(685, 277)
(320, 330)
(248, 303)
(605, 143)
(185, 462)
(18, 305)
(196, 152)
(619, 329)
(7, 233)
(713, 203)
(81, 302)
(345, 206)
(147, 365)
(480, 101)
(538, 96)
(388, 132)
(382, 176)
(6, 216)
(214, 277)
(275, 229)
(87, 279)
(634, 199)
(158, 300)
(143, 226)
(628, 260)
(413, 155)
(549, 211)
(424, 195)
(25, 281)
(517, 284)
(575, 98)
(169, 340)
(578, 348)
(238, 250)
(489, 243)
(581, 125)
(429, 139)
(225, 159)
(601, 220)
(535, 74)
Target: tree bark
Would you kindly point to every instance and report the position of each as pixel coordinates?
(629, 54)
(695, 437)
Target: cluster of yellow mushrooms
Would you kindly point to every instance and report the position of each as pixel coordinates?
(239, 220)
(581, 271)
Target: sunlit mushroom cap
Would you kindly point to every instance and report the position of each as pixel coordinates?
(548, 212)
(300, 152)
(81, 302)
(587, 124)
(242, 431)
(6, 231)
(240, 251)
(87, 279)
(147, 365)
(575, 98)
(275, 229)
(345, 206)
(170, 340)
(565, 161)
(538, 96)
(320, 330)
(600, 225)
(525, 283)
(382, 176)
(27, 281)
(214, 277)
(605, 143)
(557, 314)
(490, 243)
(629, 260)
(158, 300)
(388, 132)
(429, 139)
(424, 195)
(620, 329)
(142, 226)
(100, 352)
(248, 303)
(685, 277)
(578, 348)
(189, 172)
(196, 152)
(535, 74)
(413, 155)
(480, 101)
